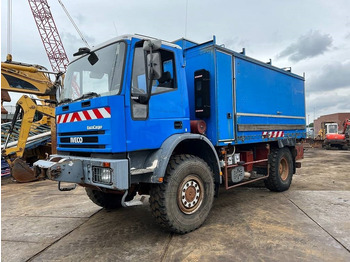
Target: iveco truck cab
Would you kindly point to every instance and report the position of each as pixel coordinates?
(174, 120)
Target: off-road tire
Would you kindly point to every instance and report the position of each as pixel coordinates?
(281, 170)
(106, 200)
(187, 178)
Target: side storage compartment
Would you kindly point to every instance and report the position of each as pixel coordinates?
(270, 103)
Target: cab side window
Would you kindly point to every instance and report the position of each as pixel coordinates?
(139, 84)
(167, 82)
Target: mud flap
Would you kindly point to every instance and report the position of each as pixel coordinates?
(21, 172)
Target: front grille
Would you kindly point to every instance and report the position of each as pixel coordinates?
(83, 133)
(88, 139)
(81, 139)
(81, 146)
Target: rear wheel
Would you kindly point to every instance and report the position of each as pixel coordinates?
(281, 170)
(183, 201)
(106, 200)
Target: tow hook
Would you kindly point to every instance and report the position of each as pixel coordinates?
(55, 171)
(66, 188)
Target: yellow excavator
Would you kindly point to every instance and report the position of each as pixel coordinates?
(34, 80)
(20, 135)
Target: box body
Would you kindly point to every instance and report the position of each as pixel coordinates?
(250, 101)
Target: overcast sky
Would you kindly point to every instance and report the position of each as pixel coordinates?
(311, 36)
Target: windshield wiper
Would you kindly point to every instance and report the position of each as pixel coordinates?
(87, 95)
(65, 100)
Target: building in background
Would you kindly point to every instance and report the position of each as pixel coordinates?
(332, 118)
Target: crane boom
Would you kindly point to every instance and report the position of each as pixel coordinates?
(49, 34)
(74, 24)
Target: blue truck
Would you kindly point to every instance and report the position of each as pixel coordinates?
(174, 120)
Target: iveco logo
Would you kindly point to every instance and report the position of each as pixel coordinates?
(94, 127)
(76, 140)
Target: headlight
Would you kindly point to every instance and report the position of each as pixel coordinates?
(102, 175)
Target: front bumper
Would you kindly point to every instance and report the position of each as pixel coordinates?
(82, 170)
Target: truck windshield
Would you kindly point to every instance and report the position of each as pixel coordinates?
(103, 78)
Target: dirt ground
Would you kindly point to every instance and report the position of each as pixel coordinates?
(324, 170)
(309, 222)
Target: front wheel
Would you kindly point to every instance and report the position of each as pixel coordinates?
(281, 170)
(183, 201)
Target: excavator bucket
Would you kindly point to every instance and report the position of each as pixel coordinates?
(21, 172)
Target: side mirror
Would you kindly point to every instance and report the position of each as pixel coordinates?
(154, 66)
(152, 44)
(154, 69)
(93, 58)
(82, 51)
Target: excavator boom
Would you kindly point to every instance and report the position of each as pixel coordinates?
(23, 78)
(346, 127)
(30, 79)
(33, 79)
(14, 152)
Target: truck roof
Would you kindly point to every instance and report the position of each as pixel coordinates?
(186, 45)
(129, 37)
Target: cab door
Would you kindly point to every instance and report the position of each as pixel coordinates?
(148, 125)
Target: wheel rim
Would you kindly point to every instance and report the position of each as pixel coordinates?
(284, 169)
(190, 194)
